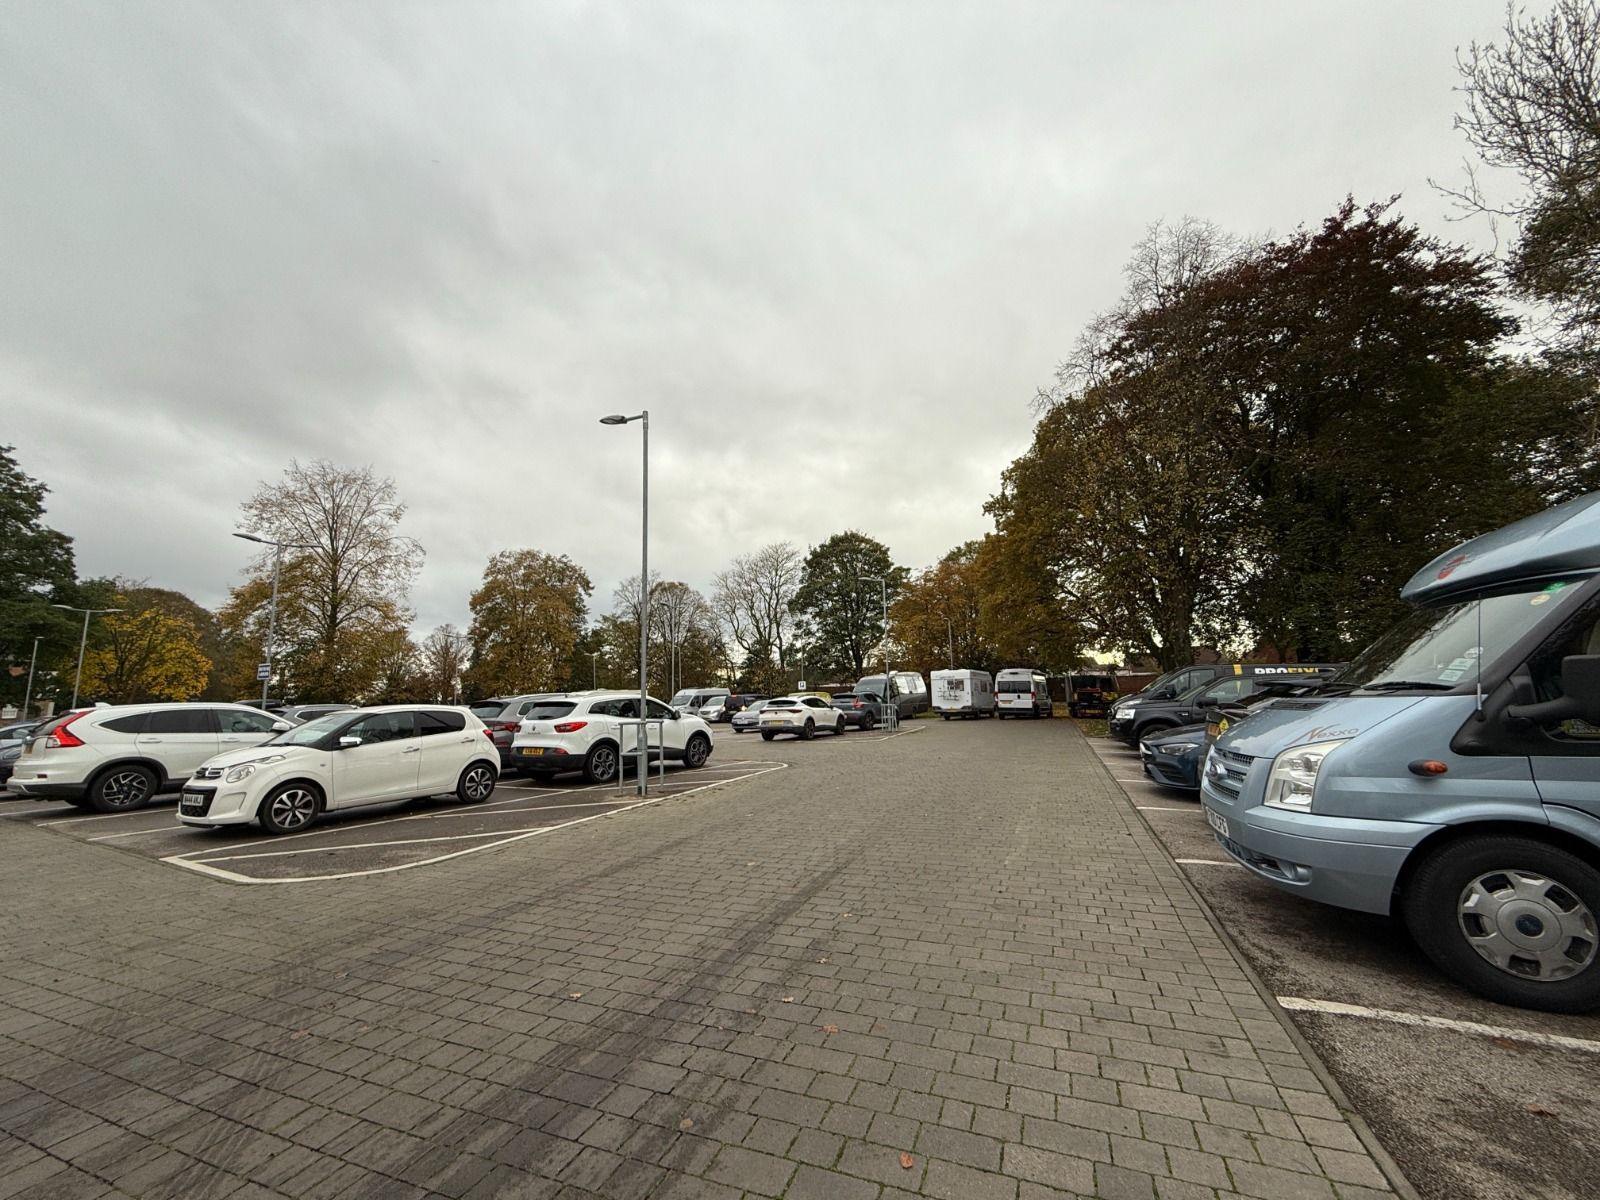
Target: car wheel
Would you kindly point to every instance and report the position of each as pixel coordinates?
(600, 764)
(809, 731)
(289, 809)
(838, 728)
(697, 751)
(122, 789)
(867, 723)
(476, 784)
(767, 735)
(1512, 918)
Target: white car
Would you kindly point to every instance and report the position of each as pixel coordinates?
(119, 757)
(593, 731)
(803, 716)
(344, 760)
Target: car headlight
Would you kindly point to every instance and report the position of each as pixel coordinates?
(240, 774)
(1293, 780)
(1181, 749)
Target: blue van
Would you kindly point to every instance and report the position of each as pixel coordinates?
(1451, 773)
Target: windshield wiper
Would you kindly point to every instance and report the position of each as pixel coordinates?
(1402, 685)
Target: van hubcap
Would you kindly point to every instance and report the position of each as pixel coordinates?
(1528, 925)
(293, 808)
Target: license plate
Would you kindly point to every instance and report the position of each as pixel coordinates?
(530, 751)
(1220, 824)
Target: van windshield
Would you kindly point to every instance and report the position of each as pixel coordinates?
(1440, 647)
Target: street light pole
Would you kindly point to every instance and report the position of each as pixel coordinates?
(83, 642)
(271, 645)
(951, 630)
(594, 670)
(643, 417)
(27, 696)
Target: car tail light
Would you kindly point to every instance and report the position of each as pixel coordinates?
(570, 726)
(858, 704)
(63, 738)
(488, 733)
(506, 726)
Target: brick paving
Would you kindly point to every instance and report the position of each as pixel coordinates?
(951, 965)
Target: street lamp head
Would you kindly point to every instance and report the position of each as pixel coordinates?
(615, 419)
(250, 537)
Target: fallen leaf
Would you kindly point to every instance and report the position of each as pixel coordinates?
(788, 999)
(574, 995)
(830, 1029)
(906, 1161)
(822, 960)
(1506, 1043)
(749, 1012)
(298, 1034)
(686, 1123)
(1540, 1111)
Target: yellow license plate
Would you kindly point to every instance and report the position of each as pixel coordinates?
(530, 751)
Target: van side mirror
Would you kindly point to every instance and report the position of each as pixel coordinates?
(1580, 681)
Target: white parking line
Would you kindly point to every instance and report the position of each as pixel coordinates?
(188, 861)
(1206, 862)
(1334, 1008)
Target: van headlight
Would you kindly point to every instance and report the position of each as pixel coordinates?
(240, 774)
(1293, 780)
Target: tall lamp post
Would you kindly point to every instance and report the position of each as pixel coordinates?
(594, 670)
(271, 644)
(888, 680)
(644, 588)
(950, 629)
(27, 696)
(83, 642)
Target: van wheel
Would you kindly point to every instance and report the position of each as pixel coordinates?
(944, 716)
(809, 731)
(600, 764)
(289, 809)
(122, 789)
(476, 784)
(697, 751)
(1512, 918)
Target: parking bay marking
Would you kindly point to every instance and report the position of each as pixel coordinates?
(1206, 862)
(189, 862)
(1334, 1008)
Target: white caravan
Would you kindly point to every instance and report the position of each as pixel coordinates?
(1022, 692)
(963, 693)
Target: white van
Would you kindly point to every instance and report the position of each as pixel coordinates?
(963, 693)
(1022, 691)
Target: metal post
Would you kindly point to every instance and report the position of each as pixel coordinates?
(951, 630)
(594, 670)
(644, 605)
(27, 696)
(272, 623)
(83, 643)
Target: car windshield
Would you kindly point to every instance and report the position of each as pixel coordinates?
(1441, 646)
(311, 732)
(549, 710)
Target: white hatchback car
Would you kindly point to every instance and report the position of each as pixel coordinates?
(345, 760)
(119, 757)
(803, 716)
(592, 732)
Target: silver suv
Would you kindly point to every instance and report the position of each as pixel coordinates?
(119, 757)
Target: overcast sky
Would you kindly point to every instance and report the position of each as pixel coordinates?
(833, 247)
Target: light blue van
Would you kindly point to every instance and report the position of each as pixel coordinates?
(1451, 773)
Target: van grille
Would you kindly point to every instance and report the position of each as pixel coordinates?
(1235, 768)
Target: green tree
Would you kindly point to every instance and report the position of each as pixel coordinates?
(36, 569)
(340, 601)
(527, 615)
(839, 601)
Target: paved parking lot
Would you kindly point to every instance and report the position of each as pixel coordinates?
(952, 963)
(1509, 1113)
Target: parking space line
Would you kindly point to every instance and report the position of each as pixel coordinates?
(190, 863)
(1206, 862)
(449, 837)
(1334, 1008)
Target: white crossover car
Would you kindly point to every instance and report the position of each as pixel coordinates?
(593, 732)
(345, 760)
(119, 757)
(803, 716)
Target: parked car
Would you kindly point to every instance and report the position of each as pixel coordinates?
(803, 716)
(502, 716)
(1089, 694)
(1198, 703)
(723, 707)
(1184, 679)
(908, 689)
(692, 700)
(1022, 692)
(344, 760)
(963, 693)
(863, 710)
(748, 718)
(119, 757)
(1173, 757)
(16, 733)
(8, 763)
(301, 713)
(1450, 775)
(592, 732)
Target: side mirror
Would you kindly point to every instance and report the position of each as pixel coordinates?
(1580, 681)
(282, 726)
(349, 740)
(1207, 701)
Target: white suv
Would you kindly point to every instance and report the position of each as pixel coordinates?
(117, 758)
(344, 760)
(591, 731)
(802, 716)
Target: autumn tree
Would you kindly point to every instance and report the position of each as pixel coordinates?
(839, 601)
(152, 650)
(685, 643)
(400, 676)
(341, 600)
(937, 617)
(527, 615)
(752, 599)
(442, 660)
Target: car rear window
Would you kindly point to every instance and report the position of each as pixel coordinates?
(181, 720)
(132, 723)
(441, 721)
(549, 710)
(485, 710)
(1014, 685)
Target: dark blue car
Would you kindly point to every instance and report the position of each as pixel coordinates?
(1173, 758)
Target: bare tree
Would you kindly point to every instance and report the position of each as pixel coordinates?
(444, 661)
(752, 599)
